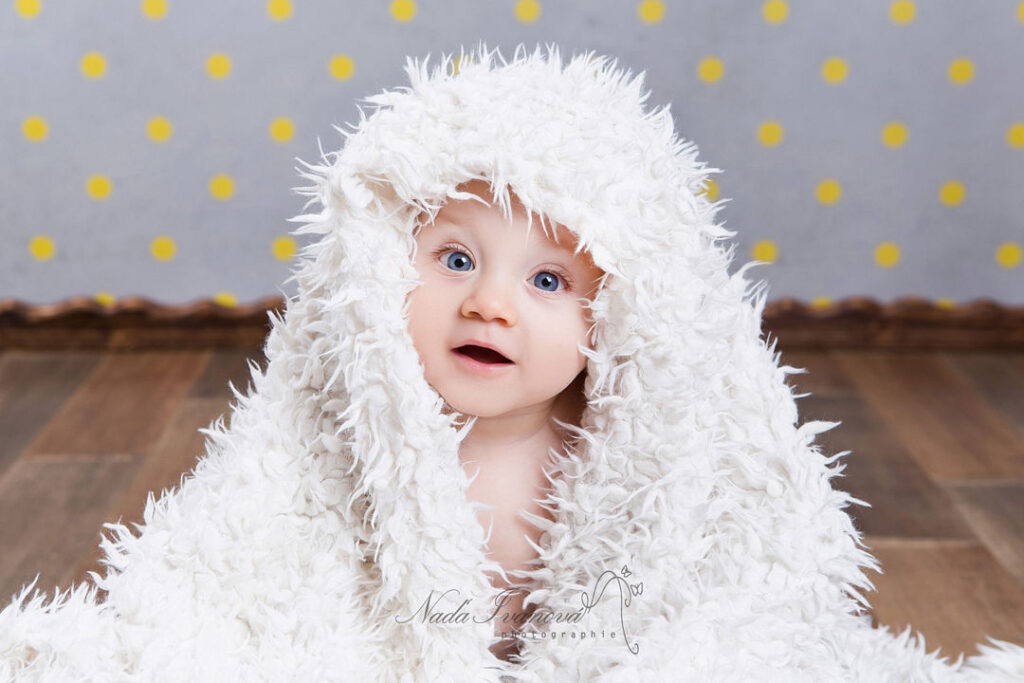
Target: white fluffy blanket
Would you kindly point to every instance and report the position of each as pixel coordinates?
(694, 513)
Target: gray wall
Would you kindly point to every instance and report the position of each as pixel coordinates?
(156, 66)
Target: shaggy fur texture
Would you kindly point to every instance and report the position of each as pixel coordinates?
(692, 504)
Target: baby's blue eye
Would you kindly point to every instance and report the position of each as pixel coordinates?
(544, 279)
(461, 258)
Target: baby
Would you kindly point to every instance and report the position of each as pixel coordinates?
(497, 323)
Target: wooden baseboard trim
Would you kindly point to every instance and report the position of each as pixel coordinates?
(907, 323)
(135, 323)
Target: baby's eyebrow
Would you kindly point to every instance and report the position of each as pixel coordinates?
(563, 248)
(550, 244)
(562, 251)
(447, 225)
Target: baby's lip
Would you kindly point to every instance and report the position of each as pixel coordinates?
(477, 342)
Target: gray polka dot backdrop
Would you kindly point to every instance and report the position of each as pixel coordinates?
(149, 148)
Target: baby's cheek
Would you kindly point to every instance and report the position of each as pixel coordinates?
(572, 359)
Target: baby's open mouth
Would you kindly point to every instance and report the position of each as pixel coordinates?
(479, 353)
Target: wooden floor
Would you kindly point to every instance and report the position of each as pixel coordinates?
(937, 441)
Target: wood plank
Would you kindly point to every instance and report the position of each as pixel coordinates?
(226, 365)
(953, 592)
(995, 511)
(53, 509)
(173, 455)
(880, 471)
(999, 377)
(123, 407)
(824, 375)
(942, 420)
(33, 386)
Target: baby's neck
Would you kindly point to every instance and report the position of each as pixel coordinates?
(508, 433)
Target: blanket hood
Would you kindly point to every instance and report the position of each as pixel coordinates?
(693, 514)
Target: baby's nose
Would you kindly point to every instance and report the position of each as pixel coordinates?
(491, 301)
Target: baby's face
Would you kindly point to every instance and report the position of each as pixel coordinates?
(485, 282)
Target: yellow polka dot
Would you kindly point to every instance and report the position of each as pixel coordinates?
(769, 133)
(961, 71)
(98, 187)
(457, 63)
(218, 65)
(1015, 135)
(821, 302)
(222, 187)
(829, 191)
(887, 254)
(765, 250)
(894, 134)
(834, 70)
(225, 299)
(93, 65)
(163, 248)
(104, 298)
(341, 67)
(1008, 255)
(159, 129)
(1020, 12)
(154, 9)
(403, 10)
(710, 69)
(710, 190)
(27, 9)
(775, 11)
(284, 248)
(282, 129)
(651, 11)
(42, 248)
(34, 128)
(902, 12)
(279, 10)
(945, 302)
(952, 192)
(527, 11)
